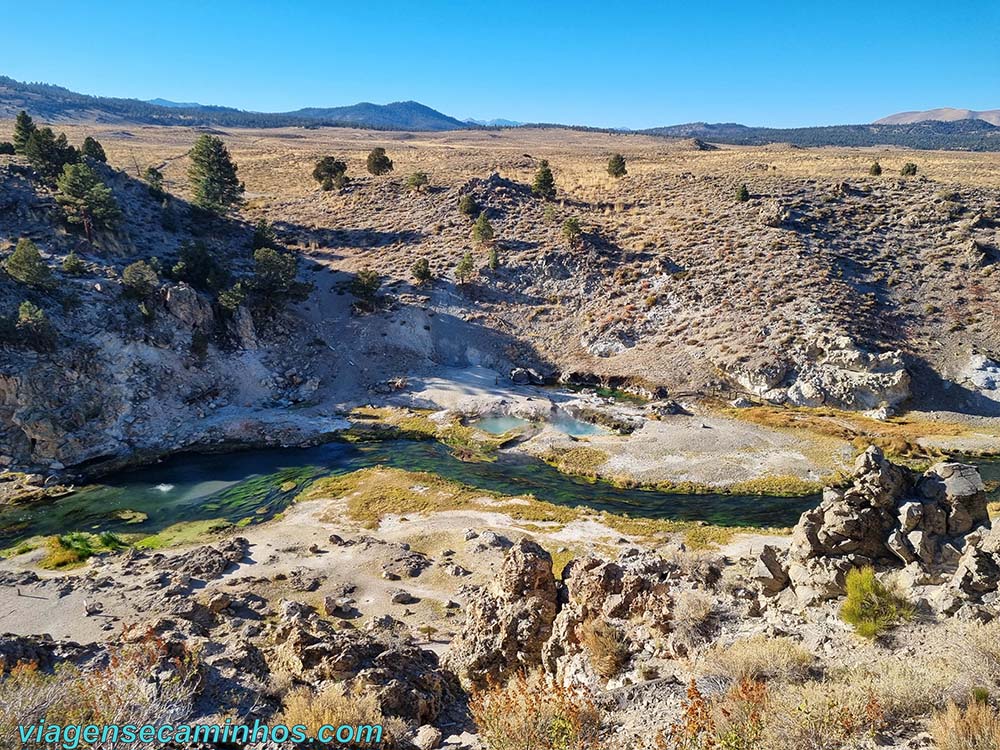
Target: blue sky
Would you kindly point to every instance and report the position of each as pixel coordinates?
(614, 64)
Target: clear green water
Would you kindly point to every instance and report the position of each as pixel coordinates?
(500, 425)
(257, 485)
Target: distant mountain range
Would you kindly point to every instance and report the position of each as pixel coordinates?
(944, 114)
(934, 129)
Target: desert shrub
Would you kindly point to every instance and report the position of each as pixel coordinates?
(26, 265)
(571, 231)
(821, 716)
(482, 230)
(605, 646)
(212, 174)
(742, 193)
(733, 720)
(875, 169)
(909, 169)
(93, 149)
(73, 265)
(336, 705)
(544, 184)
(467, 206)
(693, 620)
(378, 163)
(418, 181)
(870, 606)
(140, 280)
(757, 658)
(530, 712)
(976, 727)
(616, 166)
(421, 270)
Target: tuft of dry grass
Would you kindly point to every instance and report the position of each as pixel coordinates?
(336, 705)
(976, 727)
(757, 658)
(605, 646)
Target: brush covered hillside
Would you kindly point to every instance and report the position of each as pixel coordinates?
(819, 284)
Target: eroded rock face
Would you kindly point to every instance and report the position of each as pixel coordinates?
(632, 595)
(933, 527)
(508, 623)
(830, 371)
(407, 681)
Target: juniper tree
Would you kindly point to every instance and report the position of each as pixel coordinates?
(330, 173)
(26, 265)
(467, 206)
(141, 280)
(34, 328)
(86, 200)
(544, 185)
(616, 166)
(482, 230)
(909, 169)
(72, 265)
(742, 194)
(493, 260)
(378, 162)
(214, 185)
(875, 169)
(421, 270)
(572, 231)
(418, 181)
(197, 266)
(365, 284)
(24, 126)
(6, 148)
(93, 149)
(263, 236)
(154, 179)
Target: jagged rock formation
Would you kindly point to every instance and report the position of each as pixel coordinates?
(933, 528)
(507, 626)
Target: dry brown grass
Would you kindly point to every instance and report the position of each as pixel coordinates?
(756, 658)
(337, 705)
(976, 727)
(605, 646)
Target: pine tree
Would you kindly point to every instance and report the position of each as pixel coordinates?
(482, 230)
(48, 153)
(571, 231)
(154, 178)
(366, 284)
(544, 185)
(214, 185)
(199, 267)
(467, 206)
(26, 265)
(263, 236)
(616, 166)
(34, 328)
(418, 181)
(24, 126)
(73, 265)
(140, 279)
(464, 269)
(86, 200)
(93, 149)
(378, 162)
(742, 194)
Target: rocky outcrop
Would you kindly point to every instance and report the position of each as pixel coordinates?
(629, 597)
(508, 623)
(933, 528)
(829, 371)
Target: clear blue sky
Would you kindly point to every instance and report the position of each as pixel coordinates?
(618, 64)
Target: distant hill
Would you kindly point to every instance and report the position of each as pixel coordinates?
(944, 114)
(177, 105)
(498, 122)
(53, 103)
(969, 135)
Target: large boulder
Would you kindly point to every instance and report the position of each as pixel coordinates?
(933, 525)
(508, 623)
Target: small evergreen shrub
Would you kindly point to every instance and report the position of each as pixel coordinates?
(467, 206)
(875, 169)
(909, 169)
